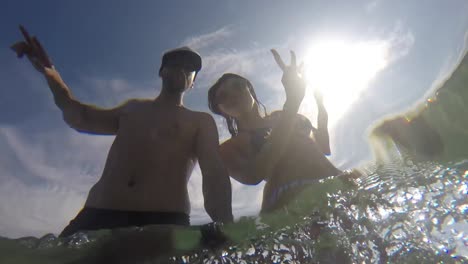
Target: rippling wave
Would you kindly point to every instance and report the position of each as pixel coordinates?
(400, 212)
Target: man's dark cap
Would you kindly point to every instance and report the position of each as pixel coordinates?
(185, 54)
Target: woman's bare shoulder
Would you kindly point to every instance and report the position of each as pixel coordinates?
(302, 120)
(276, 114)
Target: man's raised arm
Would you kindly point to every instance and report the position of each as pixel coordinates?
(216, 184)
(82, 117)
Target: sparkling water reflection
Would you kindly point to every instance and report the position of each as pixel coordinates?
(400, 212)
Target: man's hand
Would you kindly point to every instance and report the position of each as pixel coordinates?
(292, 79)
(33, 50)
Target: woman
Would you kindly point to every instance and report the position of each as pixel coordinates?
(276, 148)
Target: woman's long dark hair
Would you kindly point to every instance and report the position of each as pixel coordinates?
(231, 122)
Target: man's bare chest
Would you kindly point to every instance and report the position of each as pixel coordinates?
(172, 129)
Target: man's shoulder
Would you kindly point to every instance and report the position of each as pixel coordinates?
(139, 101)
(202, 122)
(199, 116)
(134, 103)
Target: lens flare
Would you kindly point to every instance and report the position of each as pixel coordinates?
(341, 71)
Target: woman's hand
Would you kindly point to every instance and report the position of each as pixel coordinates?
(318, 97)
(319, 100)
(34, 51)
(292, 80)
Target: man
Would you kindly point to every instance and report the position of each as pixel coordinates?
(156, 146)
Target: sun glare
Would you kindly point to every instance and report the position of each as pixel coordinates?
(341, 71)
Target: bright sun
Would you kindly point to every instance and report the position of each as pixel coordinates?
(341, 71)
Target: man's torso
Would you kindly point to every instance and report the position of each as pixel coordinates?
(150, 160)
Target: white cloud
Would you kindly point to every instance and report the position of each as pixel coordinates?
(59, 166)
(400, 41)
(372, 5)
(113, 91)
(36, 210)
(62, 151)
(255, 63)
(205, 40)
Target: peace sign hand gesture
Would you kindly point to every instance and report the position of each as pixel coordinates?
(292, 80)
(33, 50)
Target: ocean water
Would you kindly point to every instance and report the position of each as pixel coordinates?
(400, 212)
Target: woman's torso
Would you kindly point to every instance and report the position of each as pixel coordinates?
(302, 160)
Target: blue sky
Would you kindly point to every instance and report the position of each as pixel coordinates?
(109, 51)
